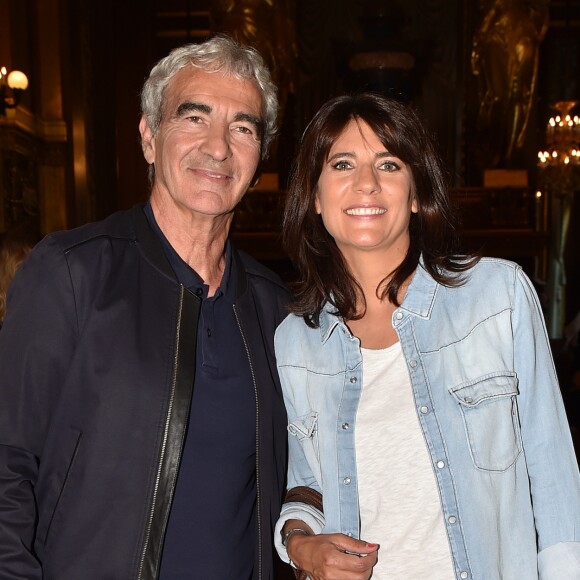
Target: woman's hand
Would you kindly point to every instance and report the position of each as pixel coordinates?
(332, 556)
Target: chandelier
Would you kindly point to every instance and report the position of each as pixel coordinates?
(559, 163)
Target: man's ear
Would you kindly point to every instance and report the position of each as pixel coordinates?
(257, 175)
(147, 140)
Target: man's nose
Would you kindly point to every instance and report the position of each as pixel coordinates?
(217, 142)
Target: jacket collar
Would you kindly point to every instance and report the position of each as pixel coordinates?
(149, 241)
(419, 301)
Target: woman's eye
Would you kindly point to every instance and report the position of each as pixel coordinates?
(341, 165)
(389, 166)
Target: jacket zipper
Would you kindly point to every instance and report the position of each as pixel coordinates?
(258, 491)
(164, 444)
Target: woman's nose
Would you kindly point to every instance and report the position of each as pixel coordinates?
(367, 180)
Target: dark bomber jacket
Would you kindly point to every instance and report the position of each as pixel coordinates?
(97, 358)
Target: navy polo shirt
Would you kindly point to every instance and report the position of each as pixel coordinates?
(211, 531)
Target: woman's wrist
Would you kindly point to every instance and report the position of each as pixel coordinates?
(287, 534)
(291, 532)
(294, 537)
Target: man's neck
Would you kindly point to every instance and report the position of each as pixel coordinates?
(199, 241)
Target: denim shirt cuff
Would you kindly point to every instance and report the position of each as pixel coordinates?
(560, 561)
(296, 511)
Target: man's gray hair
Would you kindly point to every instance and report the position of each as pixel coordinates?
(218, 54)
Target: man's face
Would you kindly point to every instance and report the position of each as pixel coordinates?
(207, 148)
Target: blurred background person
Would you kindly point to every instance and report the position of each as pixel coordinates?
(13, 251)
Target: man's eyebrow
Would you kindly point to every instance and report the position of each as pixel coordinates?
(189, 107)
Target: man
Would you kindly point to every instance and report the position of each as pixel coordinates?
(142, 427)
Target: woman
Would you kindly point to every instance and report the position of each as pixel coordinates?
(421, 395)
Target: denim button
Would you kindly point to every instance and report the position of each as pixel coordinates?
(424, 410)
(353, 379)
(399, 315)
(464, 575)
(345, 426)
(441, 464)
(413, 363)
(452, 519)
(346, 481)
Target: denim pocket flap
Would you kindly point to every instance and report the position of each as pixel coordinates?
(304, 426)
(485, 388)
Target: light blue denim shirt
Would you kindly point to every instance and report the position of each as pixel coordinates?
(490, 409)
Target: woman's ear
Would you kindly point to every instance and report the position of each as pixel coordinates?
(414, 204)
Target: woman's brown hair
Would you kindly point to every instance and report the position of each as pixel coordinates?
(323, 275)
(13, 251)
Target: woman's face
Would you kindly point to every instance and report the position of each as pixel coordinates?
(364, 195)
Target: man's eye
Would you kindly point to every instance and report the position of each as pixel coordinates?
(194, 119)
(245, 130)
(341, 165)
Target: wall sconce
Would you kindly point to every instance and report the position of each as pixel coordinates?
(11, 87)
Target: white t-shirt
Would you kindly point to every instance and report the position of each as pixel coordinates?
(399, 501)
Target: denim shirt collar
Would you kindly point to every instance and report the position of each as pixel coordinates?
(420, 296)
(419, 300)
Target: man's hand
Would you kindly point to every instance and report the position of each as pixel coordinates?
(333, 556)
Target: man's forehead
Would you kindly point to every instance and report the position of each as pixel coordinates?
(216, 90)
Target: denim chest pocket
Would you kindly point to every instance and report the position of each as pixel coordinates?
(305, 429)
(490, 416)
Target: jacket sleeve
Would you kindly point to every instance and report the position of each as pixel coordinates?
(300, 469)
(36, 344)
(548, 448)
(295, 510)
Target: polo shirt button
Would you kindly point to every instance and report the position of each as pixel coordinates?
(345, 426)
(424, 410)
(346, 481)
(353, 379)
(441, 464)
(464, 575)
(452, 519)
(199, 292)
